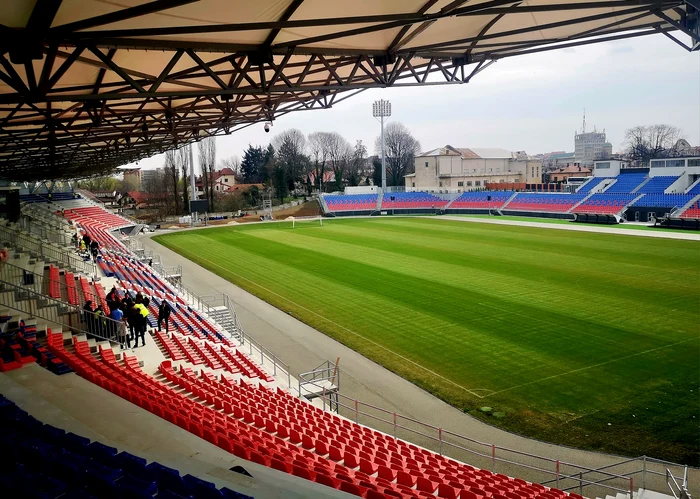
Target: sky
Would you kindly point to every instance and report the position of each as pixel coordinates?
(531, 103)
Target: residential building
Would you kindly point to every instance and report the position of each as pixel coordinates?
(563, 174)
(450, 169)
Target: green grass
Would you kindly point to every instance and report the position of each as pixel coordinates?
(590, 340)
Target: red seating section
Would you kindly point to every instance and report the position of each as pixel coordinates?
(269, 427)
(693, 211)
(54, 282)
(72, 289)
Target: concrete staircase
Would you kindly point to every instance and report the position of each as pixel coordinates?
(324, 206)
(505, 205)
(222, 317)
(679, 211)
(640, 185)
(640, 494)
(571, 210)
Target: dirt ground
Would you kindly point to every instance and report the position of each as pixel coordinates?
(309, 209)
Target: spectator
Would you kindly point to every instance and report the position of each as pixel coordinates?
(99, 323)
(94, 248)
(164, 315)
(141, 324)
(89, 317)
(116, 315)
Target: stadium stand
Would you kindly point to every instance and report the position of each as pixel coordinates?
(233, 403)
(605, 203)
(588, 186)
(657, 185)
(556, 203)
(408, 200)
(43, 198)
(695, 190)
(626, 183)
(480, 200)
(693, 211)
(352, 202)
(44, 461)
(664, 200)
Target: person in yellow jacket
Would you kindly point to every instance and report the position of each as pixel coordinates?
(140, 326)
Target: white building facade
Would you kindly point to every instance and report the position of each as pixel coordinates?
(450, 169)
(590, 146)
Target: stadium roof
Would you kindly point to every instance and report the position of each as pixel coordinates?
(88, 85)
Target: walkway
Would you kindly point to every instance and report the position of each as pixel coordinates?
(663, 234)
(304, 348)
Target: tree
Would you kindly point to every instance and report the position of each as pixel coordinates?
(252, 196)
(377, 170)
(339, 155)
(253, 164)
(207, 161)
(400, 149)
(356, 165)
(172, 160)
(319, 146)
(645, 143)
(99, 184)
(184, 158)
(289, 148)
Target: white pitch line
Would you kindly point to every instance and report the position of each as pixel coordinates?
(343, 327)
(591, 367)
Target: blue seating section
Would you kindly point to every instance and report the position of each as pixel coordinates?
(657, 185)
(559, 203)
(626, 183)
(594, 181)
(664, 200)
(351, 202)
(411, 200)
(605, 203)
(695, 190)
(480, 199)
(42, 461)
(43, 198)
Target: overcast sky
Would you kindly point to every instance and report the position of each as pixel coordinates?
(533, 103)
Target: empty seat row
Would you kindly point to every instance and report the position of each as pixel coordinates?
(351, 202)
(558, 203)
(44, 461)
(481, 200)
(605, 203)
(400, 200)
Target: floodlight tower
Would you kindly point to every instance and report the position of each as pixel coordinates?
(382, 109)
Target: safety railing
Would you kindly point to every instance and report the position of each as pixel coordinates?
(37, 305)
(619, 477)
(679, 491)
(206, 303)
(46, 250)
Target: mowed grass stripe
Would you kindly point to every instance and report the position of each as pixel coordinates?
(490, 307)
(525, 288)
(523, 339)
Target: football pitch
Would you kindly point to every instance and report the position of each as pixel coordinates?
(585, 339)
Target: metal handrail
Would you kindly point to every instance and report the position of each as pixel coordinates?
(203, 304)
(35, 310)
(46, 250)
(399, 422)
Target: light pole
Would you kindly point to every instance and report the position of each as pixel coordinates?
(382, 109)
